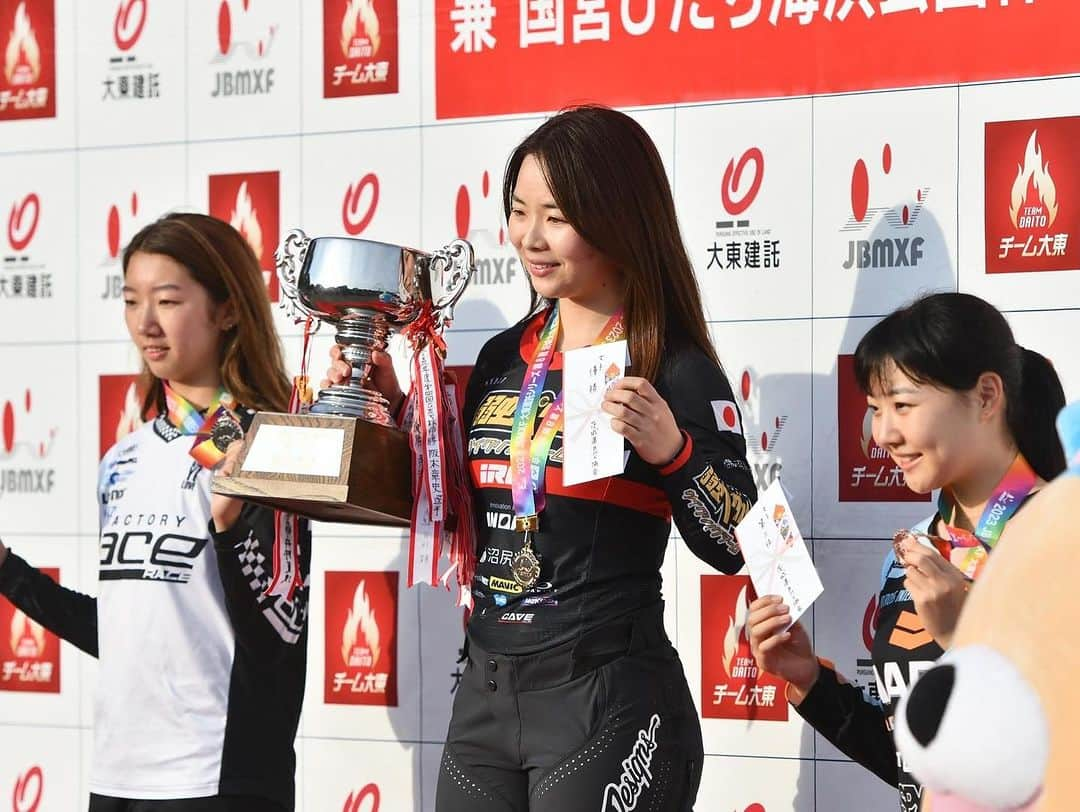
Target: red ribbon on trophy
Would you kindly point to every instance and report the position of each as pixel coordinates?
(287, 577)
(442, 502)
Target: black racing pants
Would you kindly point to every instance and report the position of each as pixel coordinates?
(219, 803)
(606, 723)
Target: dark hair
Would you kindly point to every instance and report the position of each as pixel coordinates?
(220, 259)
(609, 182)
(948, 340)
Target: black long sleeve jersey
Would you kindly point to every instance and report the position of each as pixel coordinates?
(601, 544)
(860, 724)
(201, 677)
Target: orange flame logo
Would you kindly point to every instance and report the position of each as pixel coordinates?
(1036, 172)
(736, 632)
(130, 417)
(866, 435)
(27, 636)
(359, 11)
(360, 624)
(245, 219)
(22, 59)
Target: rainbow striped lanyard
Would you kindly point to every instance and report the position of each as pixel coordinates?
(1006, 499)
(206, 449)
(528, 454)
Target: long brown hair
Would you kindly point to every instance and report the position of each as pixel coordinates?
(220, 259)
(609, 182)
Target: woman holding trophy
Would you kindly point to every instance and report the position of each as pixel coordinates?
(573, 696)
(201, 675)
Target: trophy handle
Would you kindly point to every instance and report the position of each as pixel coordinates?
(456, 262)
(288, 260)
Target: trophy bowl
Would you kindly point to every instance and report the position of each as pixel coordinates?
(346, 460)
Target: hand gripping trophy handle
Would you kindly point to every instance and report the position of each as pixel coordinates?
(345, 460)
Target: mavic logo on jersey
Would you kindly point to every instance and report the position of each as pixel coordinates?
(623, 796)
(143, 556)
(494, 473)
(505, 585)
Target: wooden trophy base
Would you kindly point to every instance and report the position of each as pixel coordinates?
(331, 469)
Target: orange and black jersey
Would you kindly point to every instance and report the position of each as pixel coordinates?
(601, 544)
(858, 721)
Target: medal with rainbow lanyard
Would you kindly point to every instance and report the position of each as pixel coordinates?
(213, 430)
(529, 451)
(1009, 494)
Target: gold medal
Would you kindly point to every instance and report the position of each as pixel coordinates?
(525, 565)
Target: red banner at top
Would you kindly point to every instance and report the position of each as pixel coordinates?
(521, 56)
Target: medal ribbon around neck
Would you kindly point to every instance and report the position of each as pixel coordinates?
(212, 432)
(529, 454)
(1006, 499)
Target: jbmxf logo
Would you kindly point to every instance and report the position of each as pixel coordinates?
(119, 227)
(763, 431)
(363, 800)
(28, 40)
(360, 47)
(477, 218)
(740, 244)
(29, 654)
(25, 439)
(866, 471)
(27, 793)
(732, 687)
(1032, 189)
(244, 37)
(250, 202)
(361, 638)
(903, 247)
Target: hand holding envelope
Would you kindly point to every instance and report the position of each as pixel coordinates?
(776, 555)
(591, 448)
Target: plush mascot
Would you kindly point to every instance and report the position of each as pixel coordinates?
(995, 725)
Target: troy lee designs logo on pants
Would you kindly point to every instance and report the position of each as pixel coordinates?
(636, 774)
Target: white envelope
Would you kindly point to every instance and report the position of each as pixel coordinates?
(776, 554)
(591, 449)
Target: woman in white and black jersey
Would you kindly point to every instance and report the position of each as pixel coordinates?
(959, 407)
(201, 675)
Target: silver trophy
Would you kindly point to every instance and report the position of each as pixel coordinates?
(345, 460)
(367, 290)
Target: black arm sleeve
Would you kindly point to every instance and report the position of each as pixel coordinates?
(842, 714)
(271, 626)
(66, 613)
(709, 483)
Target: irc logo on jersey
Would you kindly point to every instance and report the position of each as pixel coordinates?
(491, 473)
(143, 555)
